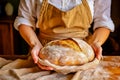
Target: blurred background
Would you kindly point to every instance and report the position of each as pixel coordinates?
(11, 43)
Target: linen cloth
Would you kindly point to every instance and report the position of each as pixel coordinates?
(25, 69)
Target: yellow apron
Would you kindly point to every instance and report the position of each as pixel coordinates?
(56, 24)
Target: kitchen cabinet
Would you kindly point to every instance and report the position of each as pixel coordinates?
(6, 37)
(11, 42)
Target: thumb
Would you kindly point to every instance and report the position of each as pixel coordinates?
(34, 54)
(98, 50)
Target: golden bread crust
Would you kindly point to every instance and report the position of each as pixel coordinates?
(64, 52)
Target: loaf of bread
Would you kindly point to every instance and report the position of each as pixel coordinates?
(67, 52)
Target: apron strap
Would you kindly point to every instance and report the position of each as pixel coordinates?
(43, 9)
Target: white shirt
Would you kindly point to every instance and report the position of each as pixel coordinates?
(29, 11)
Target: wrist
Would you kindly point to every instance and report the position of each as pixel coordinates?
(36, 44)
(34, 41)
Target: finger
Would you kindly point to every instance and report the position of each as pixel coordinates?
(98, 51)
(99, 56)
(34, 55)
(45, 67)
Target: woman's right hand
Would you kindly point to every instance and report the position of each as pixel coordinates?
(34, 53)
(98, 50)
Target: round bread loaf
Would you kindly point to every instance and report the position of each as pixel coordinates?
(67, 52)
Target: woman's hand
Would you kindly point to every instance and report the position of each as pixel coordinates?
(34, 52)
(31, 38)
(98, 50)
(98, 38)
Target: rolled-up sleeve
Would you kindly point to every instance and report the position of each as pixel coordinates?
(26, 14)
(102, 14)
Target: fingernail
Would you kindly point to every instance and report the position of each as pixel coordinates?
(35, 61)
(51, 68)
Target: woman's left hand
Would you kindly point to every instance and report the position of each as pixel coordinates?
(98, 50)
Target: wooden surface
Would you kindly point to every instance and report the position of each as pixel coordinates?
(6, 37)
(11, 43)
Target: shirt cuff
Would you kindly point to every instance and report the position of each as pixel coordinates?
(20, 20)
(108, 24)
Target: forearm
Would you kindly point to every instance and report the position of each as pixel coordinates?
(29, 35)
(99, 36)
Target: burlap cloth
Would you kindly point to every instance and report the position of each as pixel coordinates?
(25, 69)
